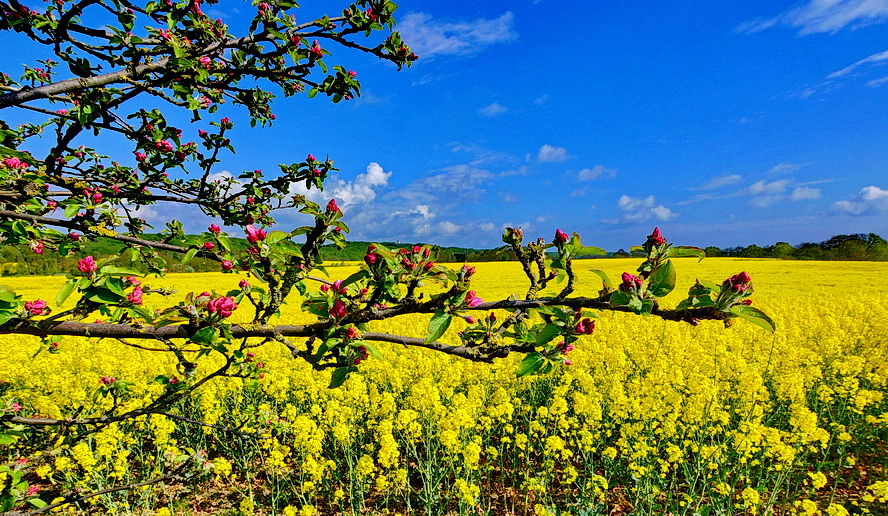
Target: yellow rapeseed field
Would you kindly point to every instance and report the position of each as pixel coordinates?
(652, 417)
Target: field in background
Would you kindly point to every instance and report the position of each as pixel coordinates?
(652, 417)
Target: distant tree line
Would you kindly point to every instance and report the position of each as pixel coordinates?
(840, 247)
(20, 260)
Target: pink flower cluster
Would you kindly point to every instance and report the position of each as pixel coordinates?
(15, 163)
(255, 235)
(87, 265)
(472, 300)
(37, 307)
(564, 348)
(371, 257)
(224, 306)
(656, 238)
(560, 237)
(338, 311)
(631, 283)
(362, 354)
(135, 297)
(585, 327)
(738, 282)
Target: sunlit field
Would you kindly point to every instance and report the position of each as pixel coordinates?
(652, 417)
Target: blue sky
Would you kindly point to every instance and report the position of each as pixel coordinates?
(722, 123)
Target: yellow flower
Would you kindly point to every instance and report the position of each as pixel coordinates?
(818, 479)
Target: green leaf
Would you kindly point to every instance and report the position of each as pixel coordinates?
(548, 333)
(755, 316)
(7, 294)
(372, 349)
(224, 242)
(637, 249)
(662, 280)
(67, 288)
(189, 255)
(339, 375)
(355, 277)
(619, 298)
(102, 295)
(37, 502)
(603, 275)
(438, 324)
(5, 316)
(686, 250)
(531, 363)
(205, 336)
(275, 237)
(111, 270)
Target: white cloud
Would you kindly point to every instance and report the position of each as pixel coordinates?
(360, 191)
(493, 109)
(875, 58)
(429, 38)
(541, 100)
(767, 193)
(768, 188)
(870, 199)
(783, 168)
(641, 209)
(588, 174)
(451, 185)
(720, 181)
(549, 153)
(817, 16)
(805, 193)
(427, 79)
(875, 83)
(449, 228)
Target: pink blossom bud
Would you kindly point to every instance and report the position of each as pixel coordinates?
(87, 265)
(332, 207)
(656, 238)
(561, 237)
(209, 246)
(244, 284)
(338, 310)
(310, 158)
(472, 300)
(214, 229)
(36, 307)
(135, 297)
(227, 265)
(224, 306)
(74, 236)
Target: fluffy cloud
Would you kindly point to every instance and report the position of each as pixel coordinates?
(429, 38)
(817, 16)
(869, 200)
(451, 185)
(639, 209)
(588, 174)
(766, 193)
(493, 110)
(549, 154)
(360, 191)
(805, 193)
